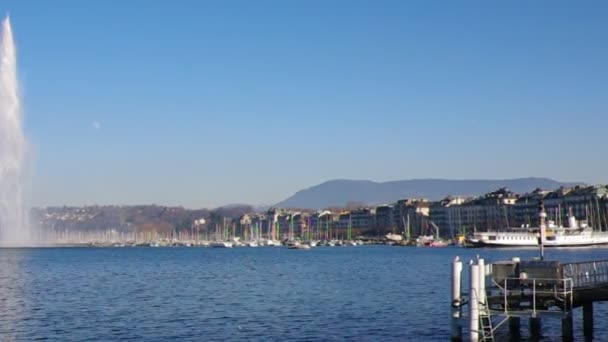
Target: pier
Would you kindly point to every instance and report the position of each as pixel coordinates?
(507, 291)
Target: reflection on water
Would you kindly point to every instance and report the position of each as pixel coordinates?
(262, 294)
(13, 285)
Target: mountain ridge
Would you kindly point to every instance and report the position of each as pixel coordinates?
(339, 192)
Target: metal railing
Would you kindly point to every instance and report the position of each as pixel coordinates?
(535, 290)
(587, 274)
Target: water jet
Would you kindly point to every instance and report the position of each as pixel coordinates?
(14, 214)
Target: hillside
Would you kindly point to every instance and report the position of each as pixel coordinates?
(341, 192)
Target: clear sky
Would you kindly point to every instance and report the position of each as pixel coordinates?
(203, 103)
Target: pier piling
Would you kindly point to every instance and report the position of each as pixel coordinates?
(456, 307)
(567, 332)
(588, 320)
(514, 328)
(474, 302)
(535, 328)
(482, 281)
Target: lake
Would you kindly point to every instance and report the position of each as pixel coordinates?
(363, 293)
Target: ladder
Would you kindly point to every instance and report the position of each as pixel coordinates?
(485, 322)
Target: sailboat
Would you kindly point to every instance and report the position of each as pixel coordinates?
(297, 245)
(219, 239)
(349, 233)
(221, 244)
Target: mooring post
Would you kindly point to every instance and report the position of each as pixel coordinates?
(567, 332)
(474, 302)
(456, 306)
(588, 319)
(482, 281)
(535, 328)
(514, 328)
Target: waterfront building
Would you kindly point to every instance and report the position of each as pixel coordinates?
(584, 202)
(320, 221)
(525, 209)
(362, 219)
(412, 213)
(299, 222)
(496, 211)
(383, 220)
(447, 214)
(359, 220)
(492, 211)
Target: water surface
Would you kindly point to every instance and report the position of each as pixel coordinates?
(372, 293)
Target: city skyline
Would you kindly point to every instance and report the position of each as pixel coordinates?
(206, 104)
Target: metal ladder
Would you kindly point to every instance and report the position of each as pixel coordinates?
(485, 322)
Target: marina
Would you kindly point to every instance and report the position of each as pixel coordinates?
(574, 217)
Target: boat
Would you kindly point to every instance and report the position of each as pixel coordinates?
(302, 246)
(221, 244)
(403, 243)
(269, 243)
(438, 243)
(236, 242)
(394, 237)
(548, 234)
(297, 245)
(530, 237)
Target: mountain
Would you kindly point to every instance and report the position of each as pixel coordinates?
(341, 192)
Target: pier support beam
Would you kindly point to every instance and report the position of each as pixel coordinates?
(514, 329)
(588, 320)
(567, 332)
(535, 328)
(456, 300)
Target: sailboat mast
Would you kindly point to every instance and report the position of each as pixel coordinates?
(350, 230)
(409, 231)
(599, 217)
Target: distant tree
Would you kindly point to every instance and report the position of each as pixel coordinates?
(354, 205)
(233, 212)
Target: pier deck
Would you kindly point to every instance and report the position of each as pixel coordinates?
(533, 289)
(547, 285)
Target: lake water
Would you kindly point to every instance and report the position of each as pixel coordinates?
(372, 293)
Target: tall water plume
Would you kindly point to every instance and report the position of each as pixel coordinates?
(14, 215)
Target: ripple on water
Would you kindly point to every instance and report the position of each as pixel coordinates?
(263, 294)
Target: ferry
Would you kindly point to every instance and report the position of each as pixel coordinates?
(577, 234)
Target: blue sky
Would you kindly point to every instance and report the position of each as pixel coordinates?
(203, 103)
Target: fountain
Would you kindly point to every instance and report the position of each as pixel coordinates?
(14, 215)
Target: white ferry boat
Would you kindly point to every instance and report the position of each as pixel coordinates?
(577, 234)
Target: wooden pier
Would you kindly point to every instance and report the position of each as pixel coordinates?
(506, 291)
